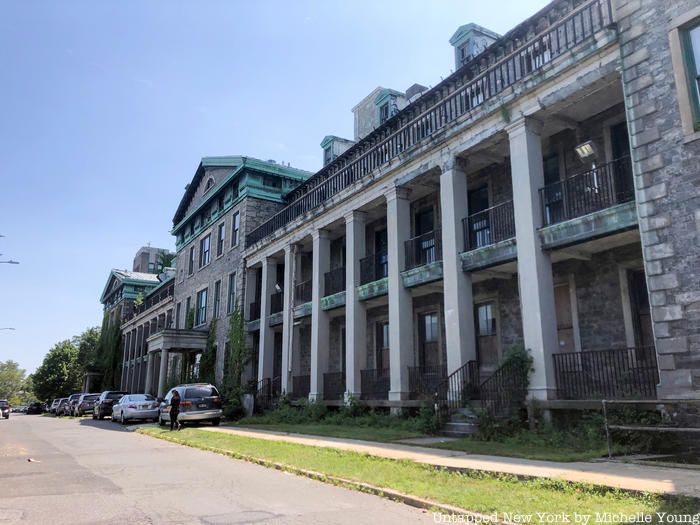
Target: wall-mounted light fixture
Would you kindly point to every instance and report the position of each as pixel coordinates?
(587, 151)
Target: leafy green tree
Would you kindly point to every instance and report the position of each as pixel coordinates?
(88, 346)
(207, 363)
(59, 374)
(109, 360)
(165, 259)
(237, 356)
(12, 379)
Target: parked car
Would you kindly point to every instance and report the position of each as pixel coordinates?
(62, 407)
(72, 403)
(86, 404)
(135, 406)
(5, 408)
(103, 404)
(198, 402)
(54, 405)
(36, 408)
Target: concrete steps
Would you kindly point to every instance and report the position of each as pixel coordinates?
(462, 423)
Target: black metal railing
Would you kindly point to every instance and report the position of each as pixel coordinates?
(624, 373)
(489, 226)
(424, 381)
(458, 95)
(254, 311)
(375, 383)
(374, 267)
(267, 392)
(276, 302)
(505, 391)
(333, 386)
(334, 281)
(302, 292)
(301, 386)
(593, 190)
(460, 386)
(424, 249)
(152, 300)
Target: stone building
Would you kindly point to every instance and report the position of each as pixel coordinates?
(541, 195)
(227, 198)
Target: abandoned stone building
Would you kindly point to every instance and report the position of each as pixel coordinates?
(542, 195)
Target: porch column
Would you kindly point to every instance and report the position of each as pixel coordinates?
(459, 302)
(149, 373)
(125, 354)
(163, 373)
(534, 265)
(355, 311)
(400, 301)
(319, 317)
(288, 314)
(267, 336)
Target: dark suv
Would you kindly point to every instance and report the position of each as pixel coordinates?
(4, 409)
(36, 408)
(198, 402)
(103, 404)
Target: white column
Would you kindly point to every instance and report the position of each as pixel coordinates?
(400, 301)
(355, 311)
(319, 317)
(266, 352)
(125, 357)
(163, 373)
(149, 373)
(534, 265)
(288, 315)
(457, 284)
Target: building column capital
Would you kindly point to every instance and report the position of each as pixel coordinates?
(523, 124)
(396, 193)
(355, 216)
(451, 162)
(320, 233)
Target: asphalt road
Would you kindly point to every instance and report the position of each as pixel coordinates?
(85, 471)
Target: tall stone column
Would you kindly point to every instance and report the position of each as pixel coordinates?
(400, 300)
(125, 359)
(267, 336)
(355, 311)
(149, 373)
(163, 373)
(534, 265)
(288, 314)
(459, 302)
(319, 317)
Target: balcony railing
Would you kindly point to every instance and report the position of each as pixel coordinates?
(276, 302)
(424, 249)
(458, 95)
(301, 386)
(375, 383)
(302, 292)
(333, 386)
(489, 226)
(626, 373)
(254, 311)
(334, 281)
(593, 190)
(374, 267)
(424, 381)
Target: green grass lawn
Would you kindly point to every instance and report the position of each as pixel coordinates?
(383, 434)
(477, 491)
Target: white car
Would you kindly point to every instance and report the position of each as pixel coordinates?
(135, 406)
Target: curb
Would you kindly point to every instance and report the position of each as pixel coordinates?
(406, 499)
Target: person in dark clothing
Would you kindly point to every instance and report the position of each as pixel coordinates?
(175, 410)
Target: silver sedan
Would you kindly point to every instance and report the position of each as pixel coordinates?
(135, 406)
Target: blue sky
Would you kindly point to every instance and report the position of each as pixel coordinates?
(107, 107)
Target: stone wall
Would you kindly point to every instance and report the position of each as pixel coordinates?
(667, 183)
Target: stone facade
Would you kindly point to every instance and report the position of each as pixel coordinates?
(665, 151)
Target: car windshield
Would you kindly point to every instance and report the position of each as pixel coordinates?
(90, 398)
(115, 395)
(3, 403)
(200, 391)
(142, 397)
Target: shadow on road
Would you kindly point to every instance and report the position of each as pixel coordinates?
(108, 424)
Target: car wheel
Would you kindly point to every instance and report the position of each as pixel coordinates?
(216, 421)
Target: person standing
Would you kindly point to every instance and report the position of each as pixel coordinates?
(175, 410)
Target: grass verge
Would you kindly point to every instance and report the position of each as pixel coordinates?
(475, 491)
(380, 434)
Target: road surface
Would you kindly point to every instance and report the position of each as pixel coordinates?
(96, 472)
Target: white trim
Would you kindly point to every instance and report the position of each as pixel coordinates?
(681, 75)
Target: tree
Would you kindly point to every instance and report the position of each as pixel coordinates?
(59, 374)
(236, 357)
(88, 345)
(207, 363)
(12, 379)
(165, 259)
(109, 360)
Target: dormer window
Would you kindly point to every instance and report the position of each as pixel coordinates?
(328, 155)
(384, 112)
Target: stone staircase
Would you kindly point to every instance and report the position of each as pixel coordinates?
(462, 423)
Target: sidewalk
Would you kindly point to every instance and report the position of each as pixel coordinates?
(627, 476)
